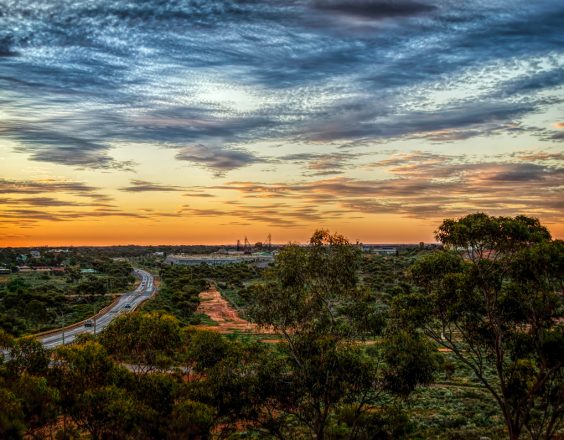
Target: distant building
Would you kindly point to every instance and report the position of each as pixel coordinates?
(5, 271)
(158, 254)
(235, 252)
(218, 260)
(58, 251)
(380, 250)
(24, 269)
(35, 254)
(87, 271)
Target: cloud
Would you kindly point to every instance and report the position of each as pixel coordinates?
(427, 186)
(198, 194)
(144, 186)
(218, 159)
(46, 186)
(230, 73)
(32, 216)
(208, 79)
(454, 122)
(556, 136)
(6, 43)
(408, 158)
(25, 196)
(539, 156)
(49, 145)
(375, 9)
(50, 202)
(273, 214)
(322, 164)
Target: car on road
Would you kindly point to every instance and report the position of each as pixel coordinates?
(127, 306)
(89, 323)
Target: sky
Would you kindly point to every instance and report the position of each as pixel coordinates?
(202, 121)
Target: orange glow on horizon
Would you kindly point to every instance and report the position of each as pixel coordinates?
(379, 229)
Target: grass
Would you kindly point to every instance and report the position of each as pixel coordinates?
(50, 294)
(85, 310)
(454, 408)
(79, 312)
(203, 319)
(232, 296)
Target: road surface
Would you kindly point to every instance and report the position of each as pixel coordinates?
(127, 302)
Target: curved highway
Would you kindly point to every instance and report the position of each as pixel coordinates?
(127, 302)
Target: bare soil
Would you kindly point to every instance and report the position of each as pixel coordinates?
(223, 313)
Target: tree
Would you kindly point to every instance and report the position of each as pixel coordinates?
(242, 386)
(11, 416)
(313, 300)
(191, 421)
(27, 355)
(6, 343)
(107, 412)
(77, 369)
(149, 341)
(494, 298)
(73, 274)
(205, 349)
(39, 401)
(36, 311)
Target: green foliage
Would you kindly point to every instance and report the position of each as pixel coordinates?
(79, 368)
(205, 349)
(307, 288)
(388, 423)
(410, 361)
(107, 412)
(148, 340)
(240, 386)
(312, 297)
(480, 233)
(27, 355)
(107, 400)
(86, 390)
(191, 421)
(178, 293)
(11, 416)
(496, 302)
(39, 400)
(32, 302)
(492, 298)
(386, 276)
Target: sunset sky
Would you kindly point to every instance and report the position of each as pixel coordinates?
(162, 122)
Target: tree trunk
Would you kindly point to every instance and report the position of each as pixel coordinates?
(514, 431)
(320, 435)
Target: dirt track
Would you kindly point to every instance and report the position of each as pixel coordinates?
(220, 311)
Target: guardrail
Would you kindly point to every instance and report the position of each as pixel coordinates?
(100, 312)
(79, 323)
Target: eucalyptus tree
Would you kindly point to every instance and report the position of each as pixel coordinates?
(147, 341)
(493, 296)
(313, 300)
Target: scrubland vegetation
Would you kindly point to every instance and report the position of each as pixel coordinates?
(459, 343)
(37, 300)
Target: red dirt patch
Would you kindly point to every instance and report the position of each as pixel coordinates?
(220, 311)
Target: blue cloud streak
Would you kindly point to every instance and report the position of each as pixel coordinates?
(77, 76)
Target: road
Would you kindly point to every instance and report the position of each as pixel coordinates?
(127, 302)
